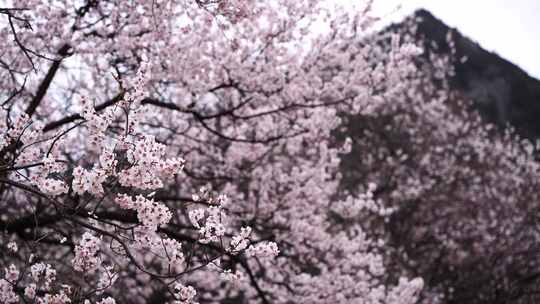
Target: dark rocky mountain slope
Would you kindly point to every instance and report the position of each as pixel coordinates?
(501, 90)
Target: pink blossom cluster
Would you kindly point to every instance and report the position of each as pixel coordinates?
(184, 294)
(43, 273)
(147, 165)
(51, 186)
(263, 250)
(107, 300)
(241, 241)
(7, 295)
(150, 213)
(87, 253)
(210, 222)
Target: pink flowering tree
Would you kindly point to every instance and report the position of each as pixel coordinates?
(182, 152)
(464, 192)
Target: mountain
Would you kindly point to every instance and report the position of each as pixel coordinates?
(502, 91)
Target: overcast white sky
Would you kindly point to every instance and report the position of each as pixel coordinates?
(511, 28)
